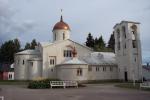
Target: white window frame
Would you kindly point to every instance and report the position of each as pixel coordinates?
(67, 53)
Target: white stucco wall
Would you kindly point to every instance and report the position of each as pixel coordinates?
(69, 72)
(58, 35)
(129, 59)
(10, 75)
(103, 75)
(21, 70)
(57, 50)
(35, 71)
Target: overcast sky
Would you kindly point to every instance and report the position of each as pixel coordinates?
(28, 19)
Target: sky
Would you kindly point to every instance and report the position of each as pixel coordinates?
(29, 19)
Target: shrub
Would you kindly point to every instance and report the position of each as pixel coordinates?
(40, 84)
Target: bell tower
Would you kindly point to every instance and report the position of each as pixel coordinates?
(128, 50)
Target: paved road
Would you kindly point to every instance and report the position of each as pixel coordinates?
(91, 92)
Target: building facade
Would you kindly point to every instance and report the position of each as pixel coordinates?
(6, 71)
(66, 59)
(128, 50)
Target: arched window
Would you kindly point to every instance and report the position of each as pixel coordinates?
(54, 36)
(134, 33)
(63, 36)
(23, 62)
(118, 33)
(124, 31)
(118, 37)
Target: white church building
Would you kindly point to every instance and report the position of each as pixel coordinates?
(66, 59)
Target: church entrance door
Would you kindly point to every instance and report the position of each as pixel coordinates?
(126, 76)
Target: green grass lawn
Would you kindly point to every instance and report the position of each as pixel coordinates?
(13, 82)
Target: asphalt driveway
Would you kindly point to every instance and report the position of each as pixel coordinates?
(91, 92)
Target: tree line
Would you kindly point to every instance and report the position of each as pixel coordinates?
(98, 43)
(10, 47)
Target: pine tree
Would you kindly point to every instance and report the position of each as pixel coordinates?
(101, 42)
(8, 49)
(33, 44)
(90, 41)
(96, 41)
(111, 42)
(27, 46)
(96, 47)
(17, 45)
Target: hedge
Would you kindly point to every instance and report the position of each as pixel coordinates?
(40, 84)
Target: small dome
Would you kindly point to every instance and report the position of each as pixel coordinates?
(61, 25)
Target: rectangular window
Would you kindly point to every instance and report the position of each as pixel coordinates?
(31, 63)
(134, 43)
(67, 53)
(104, 69)
(10, 76)
(70, 53)
(79, 72)
(52, 62)
(64, 53)
(135, 59)
(125, 45)
(97, 68)
(90, 68)
(125, 35)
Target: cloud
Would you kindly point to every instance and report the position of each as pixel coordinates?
(9, 26)
(147, 8)
(22, 27)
